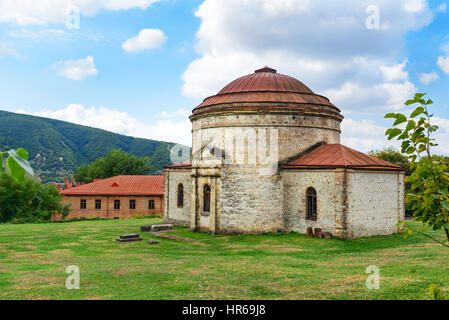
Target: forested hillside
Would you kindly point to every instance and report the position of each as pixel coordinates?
(56, 148)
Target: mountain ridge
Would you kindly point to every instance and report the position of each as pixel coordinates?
(56, 148)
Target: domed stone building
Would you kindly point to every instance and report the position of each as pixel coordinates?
(266, 157)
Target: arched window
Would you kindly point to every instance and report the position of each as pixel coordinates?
(206, 198)
(311, 204)
(180, 195)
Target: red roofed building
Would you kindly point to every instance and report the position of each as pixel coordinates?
(266, 157)
(116, 197)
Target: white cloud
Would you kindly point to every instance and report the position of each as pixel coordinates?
(24, 12)
(443, 63)
(395, 72)
(364, 135)
(442, 7)
(76, 69)
(442, 135)
(6, 50)
(179, 113)
(376, 99)
(414, 5)
(426, 78)
(279, 34)
(121, 122)
(146, 39)
(54, 34)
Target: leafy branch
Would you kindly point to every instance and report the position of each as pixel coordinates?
(429, 180)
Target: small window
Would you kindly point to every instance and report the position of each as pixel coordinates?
(206, 198)
(116, 204)
(180, 195)
(132, 204)
(98, 204)
(311, 204)
(150, 204)
(83, 204)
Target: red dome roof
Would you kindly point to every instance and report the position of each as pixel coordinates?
(266, 86)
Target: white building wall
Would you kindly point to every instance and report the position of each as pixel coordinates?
(375, 202)
(172, 213)
(295, 184)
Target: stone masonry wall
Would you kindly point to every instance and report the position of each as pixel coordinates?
(295, 184)
(179, 216)
(296, 132)
(375, 202)
(250, 203)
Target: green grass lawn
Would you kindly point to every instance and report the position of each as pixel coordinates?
(34, 257)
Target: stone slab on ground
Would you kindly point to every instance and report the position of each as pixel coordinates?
(153, 241)
(128, 239)
(161, 227)
(145, 228)
(129, 236)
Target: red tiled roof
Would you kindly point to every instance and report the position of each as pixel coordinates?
(339, 156)
(121, 185)
(266, 85)
(184, 164)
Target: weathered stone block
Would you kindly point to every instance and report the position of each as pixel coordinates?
(146, 228)
(318, 233)
(129, 236)
(161, 227)
(310, 232)
(153, 241)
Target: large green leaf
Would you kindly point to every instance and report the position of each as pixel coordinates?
(390, 115)
(393, 133)
(18, 164)
(445, 205)
(443, 190)
(400, 119)
(410, 125)
(419, 95)
(417, 112)
(15, 170)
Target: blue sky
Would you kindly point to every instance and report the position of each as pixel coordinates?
(138, 67)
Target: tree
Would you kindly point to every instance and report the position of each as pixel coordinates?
(23, 199)
(116, 162)
(392, 155)
(429, 178)
(28, 201)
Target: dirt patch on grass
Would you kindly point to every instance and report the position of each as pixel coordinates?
(31, 281)
(72, 244)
